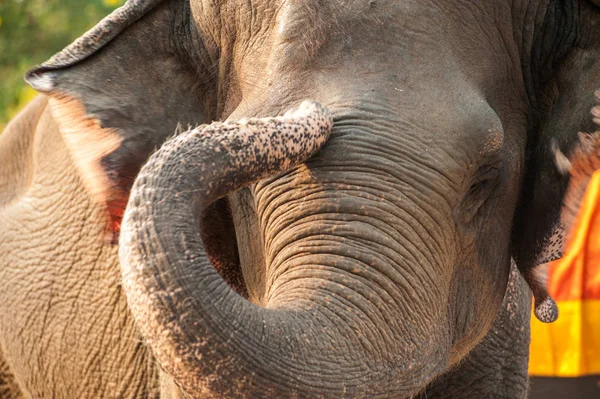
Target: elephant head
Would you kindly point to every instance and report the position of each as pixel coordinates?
(255, 267)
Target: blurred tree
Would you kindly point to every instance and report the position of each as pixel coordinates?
(30, 32)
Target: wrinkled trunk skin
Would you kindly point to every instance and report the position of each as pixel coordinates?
(336, 319)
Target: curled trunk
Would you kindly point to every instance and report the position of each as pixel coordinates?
(210, 339)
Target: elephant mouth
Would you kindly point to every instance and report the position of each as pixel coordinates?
(219, 235)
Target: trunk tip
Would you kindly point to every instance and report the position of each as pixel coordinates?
(545, 309)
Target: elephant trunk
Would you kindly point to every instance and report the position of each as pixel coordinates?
(210, 339)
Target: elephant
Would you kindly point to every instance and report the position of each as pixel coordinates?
(303, 199)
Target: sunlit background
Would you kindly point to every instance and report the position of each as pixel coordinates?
(31, 31)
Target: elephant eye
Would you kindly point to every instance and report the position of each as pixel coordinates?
(485, 179)
(482, 187)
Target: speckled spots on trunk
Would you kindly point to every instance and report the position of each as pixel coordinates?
(243, 151)
(189, 173)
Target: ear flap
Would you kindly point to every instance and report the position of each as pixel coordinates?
(91, 41)
(584, 161)
(578, 167)
(119, 91)
(541, 222)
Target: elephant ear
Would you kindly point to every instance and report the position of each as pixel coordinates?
(554, 184)
(571, 175)
(118, 92)
(580, 166)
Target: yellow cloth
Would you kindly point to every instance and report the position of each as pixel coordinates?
(570, 347)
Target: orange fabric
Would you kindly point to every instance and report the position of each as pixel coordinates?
(570, 347)
(577, 275)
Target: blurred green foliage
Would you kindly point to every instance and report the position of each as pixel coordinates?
(31, 31)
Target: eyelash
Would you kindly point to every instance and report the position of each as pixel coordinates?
(486, 177)
(480, 190)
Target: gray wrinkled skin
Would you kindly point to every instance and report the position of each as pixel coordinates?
(497, 367)
(65, 329)
(222, 157)
(378, 267)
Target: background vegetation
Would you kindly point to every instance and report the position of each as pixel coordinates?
(31, 31)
